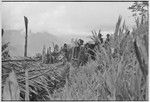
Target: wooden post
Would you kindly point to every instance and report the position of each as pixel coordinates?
(27, 84)
(2, 32)
(26, 37)
(25, 66)
(43, 54)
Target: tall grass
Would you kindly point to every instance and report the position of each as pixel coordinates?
(116, 74)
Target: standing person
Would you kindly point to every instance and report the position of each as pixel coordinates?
(49, 56)
(99, 42)
(100, 37)
(55, 53)
(80, 53)
(108, 38)
(107, 45)
(107, 41)
(65, 50)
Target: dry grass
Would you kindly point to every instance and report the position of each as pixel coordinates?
(114, 75)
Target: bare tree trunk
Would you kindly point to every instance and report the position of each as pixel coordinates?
(25, 66)
(26, 37)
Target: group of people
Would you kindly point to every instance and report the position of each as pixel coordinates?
(81, 53)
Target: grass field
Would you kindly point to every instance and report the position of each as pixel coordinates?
(120, 72)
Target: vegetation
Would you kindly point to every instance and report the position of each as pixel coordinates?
(139, 8)
(119, 72)
(113, 76)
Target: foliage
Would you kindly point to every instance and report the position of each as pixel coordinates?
(139, 8)
(5, 50)
(95, 35)
(113, 76)
(119, 72)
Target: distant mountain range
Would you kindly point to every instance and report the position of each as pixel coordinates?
(35, 41)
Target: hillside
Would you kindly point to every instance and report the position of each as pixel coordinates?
(35, 41)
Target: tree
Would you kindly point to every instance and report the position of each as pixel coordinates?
(139, 9)
(5, 50)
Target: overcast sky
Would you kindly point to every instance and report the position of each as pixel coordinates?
(65, 17)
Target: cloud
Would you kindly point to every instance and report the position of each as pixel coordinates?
(65, 18)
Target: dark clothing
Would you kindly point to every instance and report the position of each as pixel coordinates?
(55, 56)
(76, 52)
(66, 53)
(90, 50)
(101, 39)
(83, 57)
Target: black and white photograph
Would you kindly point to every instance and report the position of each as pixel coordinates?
(74, 50)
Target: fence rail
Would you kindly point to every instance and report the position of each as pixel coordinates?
(20, 60)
